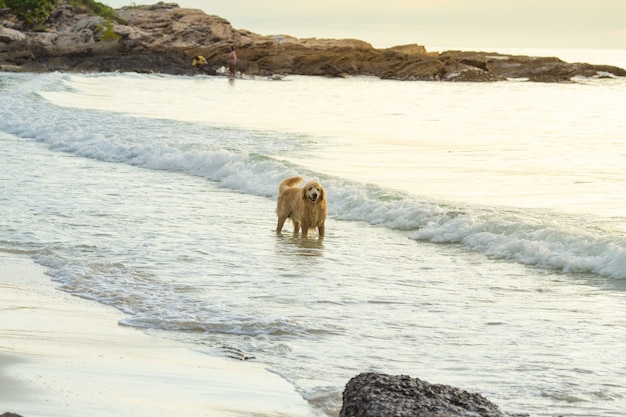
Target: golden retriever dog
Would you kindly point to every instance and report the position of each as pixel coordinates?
(306, 206)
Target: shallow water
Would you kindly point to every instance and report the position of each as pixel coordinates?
(476, 234)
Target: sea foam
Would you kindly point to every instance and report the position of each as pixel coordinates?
(235, 160)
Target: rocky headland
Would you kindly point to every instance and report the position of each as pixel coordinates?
(164, 38)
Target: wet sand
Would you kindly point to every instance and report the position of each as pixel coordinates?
(63, 356)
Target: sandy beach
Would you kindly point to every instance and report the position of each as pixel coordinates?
(62, 355)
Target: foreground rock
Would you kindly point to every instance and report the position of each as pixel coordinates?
(380, 395)
(164, 38)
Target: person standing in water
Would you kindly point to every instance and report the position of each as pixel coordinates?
(232, 62)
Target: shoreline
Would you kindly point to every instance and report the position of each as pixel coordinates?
(63, 356)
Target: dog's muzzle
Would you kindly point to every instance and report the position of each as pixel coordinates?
(313, 197)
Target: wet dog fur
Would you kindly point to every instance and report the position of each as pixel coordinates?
(306, 206)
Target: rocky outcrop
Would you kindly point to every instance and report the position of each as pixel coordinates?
(380, 395)
(165, 38)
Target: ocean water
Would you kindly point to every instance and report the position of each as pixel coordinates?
(476, 232)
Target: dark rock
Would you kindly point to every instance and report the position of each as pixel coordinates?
(10, 415)
(380, 395)
(164, 38)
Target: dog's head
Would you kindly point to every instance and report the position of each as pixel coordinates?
(313, 192)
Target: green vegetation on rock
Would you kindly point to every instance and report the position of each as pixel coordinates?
(35, 12)
(96, 8)
(107, 31)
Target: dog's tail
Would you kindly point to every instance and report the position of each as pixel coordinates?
(288, 183)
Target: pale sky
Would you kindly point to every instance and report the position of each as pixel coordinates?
(582, 24)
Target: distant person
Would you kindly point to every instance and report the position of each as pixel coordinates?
(232, 62)
(199, 61)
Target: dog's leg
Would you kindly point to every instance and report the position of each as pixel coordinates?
(296, 227)
(321, 228)
(305, 230)
(281, 223)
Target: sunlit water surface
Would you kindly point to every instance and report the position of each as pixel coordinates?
(476, 237)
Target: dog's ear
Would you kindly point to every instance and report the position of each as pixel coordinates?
(303, 192)
(322, 193)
